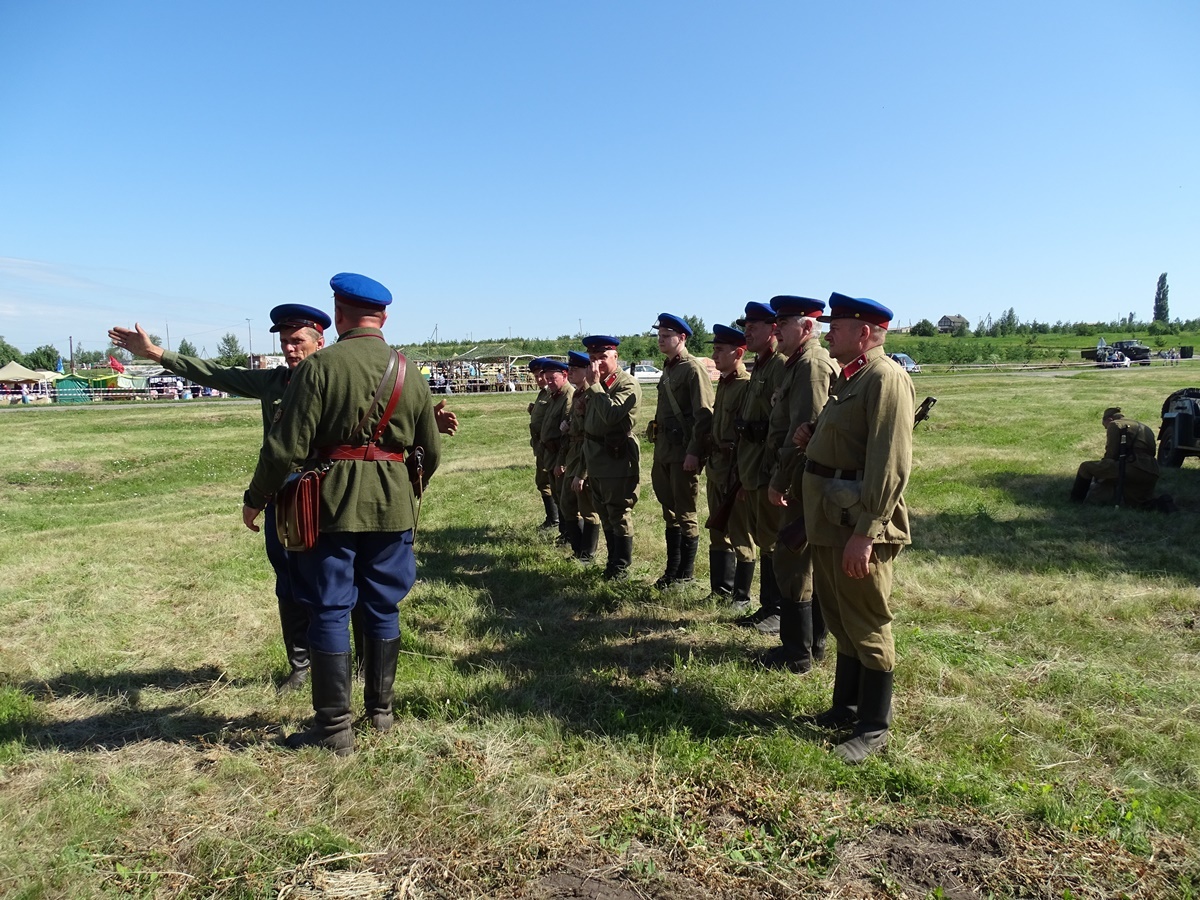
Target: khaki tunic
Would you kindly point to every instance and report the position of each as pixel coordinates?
(612, 409)
(1141, 464)
(577, 503)
(865, 427)
(537, 416)
(685, 379)
(721, 469)
(552, 439)
(808, 376)
(328, 395)
(755, 461)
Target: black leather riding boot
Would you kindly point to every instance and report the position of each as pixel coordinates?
(332, 727)
(686, 573)
(551, 520)
(1079, 490)
(847, 676)
(874, 717)
(721, 565)
(573, 529)
(673, 536)
(293, 622)
(379, 677)
(743, 584)
(591, 538)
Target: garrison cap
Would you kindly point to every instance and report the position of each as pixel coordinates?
(556, 365)
(723, 334)
(601, 342)
(297, 315)
(843, 307)
(787, 305)
(759, 312)
(1114, 412)
(359, 290)
(577, 360)
(667, 320)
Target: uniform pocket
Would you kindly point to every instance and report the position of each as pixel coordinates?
(842, 501)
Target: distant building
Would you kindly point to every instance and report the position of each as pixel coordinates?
(951, 324)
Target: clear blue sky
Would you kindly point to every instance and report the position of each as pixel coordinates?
(535, 167)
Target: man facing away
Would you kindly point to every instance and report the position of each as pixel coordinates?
(338, 401)
(680, 432)
(859, 455)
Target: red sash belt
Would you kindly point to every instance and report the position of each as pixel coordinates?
(362, 452)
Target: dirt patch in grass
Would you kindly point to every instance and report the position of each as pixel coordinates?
(965, 861)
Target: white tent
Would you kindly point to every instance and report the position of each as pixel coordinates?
(15, 373)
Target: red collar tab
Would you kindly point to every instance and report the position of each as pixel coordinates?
(852, 368)
(608, 382)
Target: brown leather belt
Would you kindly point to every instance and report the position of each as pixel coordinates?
(361, 452)
(825, 472)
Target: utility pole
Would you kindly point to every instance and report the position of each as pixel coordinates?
(71, 340)
(250, 340)
(168, 324)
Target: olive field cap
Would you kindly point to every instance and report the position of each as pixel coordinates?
(723, 334)
(666, 320)
(359, 290)
(599, 342)
(759, 312)
(555, 365)
(843, 307)
(297, 315)
(787, 305)
(1114, 412)
(578, 360)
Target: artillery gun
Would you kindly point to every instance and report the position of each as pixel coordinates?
(1179, 434)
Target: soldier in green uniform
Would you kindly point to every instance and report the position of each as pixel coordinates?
(680, 433)
(553, 438)
(731, 550)
(859, 456)
(755, 462)
(611, 449)
(577, 506)
(537, 416)
(360, 410)
(808, 375)
(301, 332)
(1096, 480)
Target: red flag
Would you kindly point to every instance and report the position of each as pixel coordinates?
(115, 364)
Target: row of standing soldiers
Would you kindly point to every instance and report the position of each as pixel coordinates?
(750, 437)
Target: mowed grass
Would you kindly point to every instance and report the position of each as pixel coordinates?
(560, 736)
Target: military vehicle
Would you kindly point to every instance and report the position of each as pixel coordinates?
(1179, 434)
(1118, 353)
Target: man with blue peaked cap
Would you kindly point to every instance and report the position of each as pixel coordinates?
(301, 333)
(578, 511)
(680, 433)
(359, 410)
(611, 449)
(859, 455)
(809, 373)
(537, 417)
(553, 439)
(754, 462)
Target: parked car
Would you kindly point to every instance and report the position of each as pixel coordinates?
(903, 359)
(646, 374)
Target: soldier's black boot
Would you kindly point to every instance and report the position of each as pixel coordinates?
(551, 520)
(674, 536)
(1079, 490)
(686, 573)
(874, 717)
(379, 678)
(610, 561)
(743, 583)
(591, 538)
(573, 529)
(820, 633)
(357, 630)
(847, 675)
(721, 565)
(766, 617)
(620, 557)
(293, 620)
(332, 727)
(796, 639)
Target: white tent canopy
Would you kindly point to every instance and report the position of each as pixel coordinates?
(15, 373)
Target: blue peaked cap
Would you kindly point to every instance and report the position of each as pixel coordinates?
(578, 360)
(600, 340)
(723, 334)
(675, 323)
(297, 315)
(359, 290)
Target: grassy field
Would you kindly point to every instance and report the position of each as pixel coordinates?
(562, 737)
